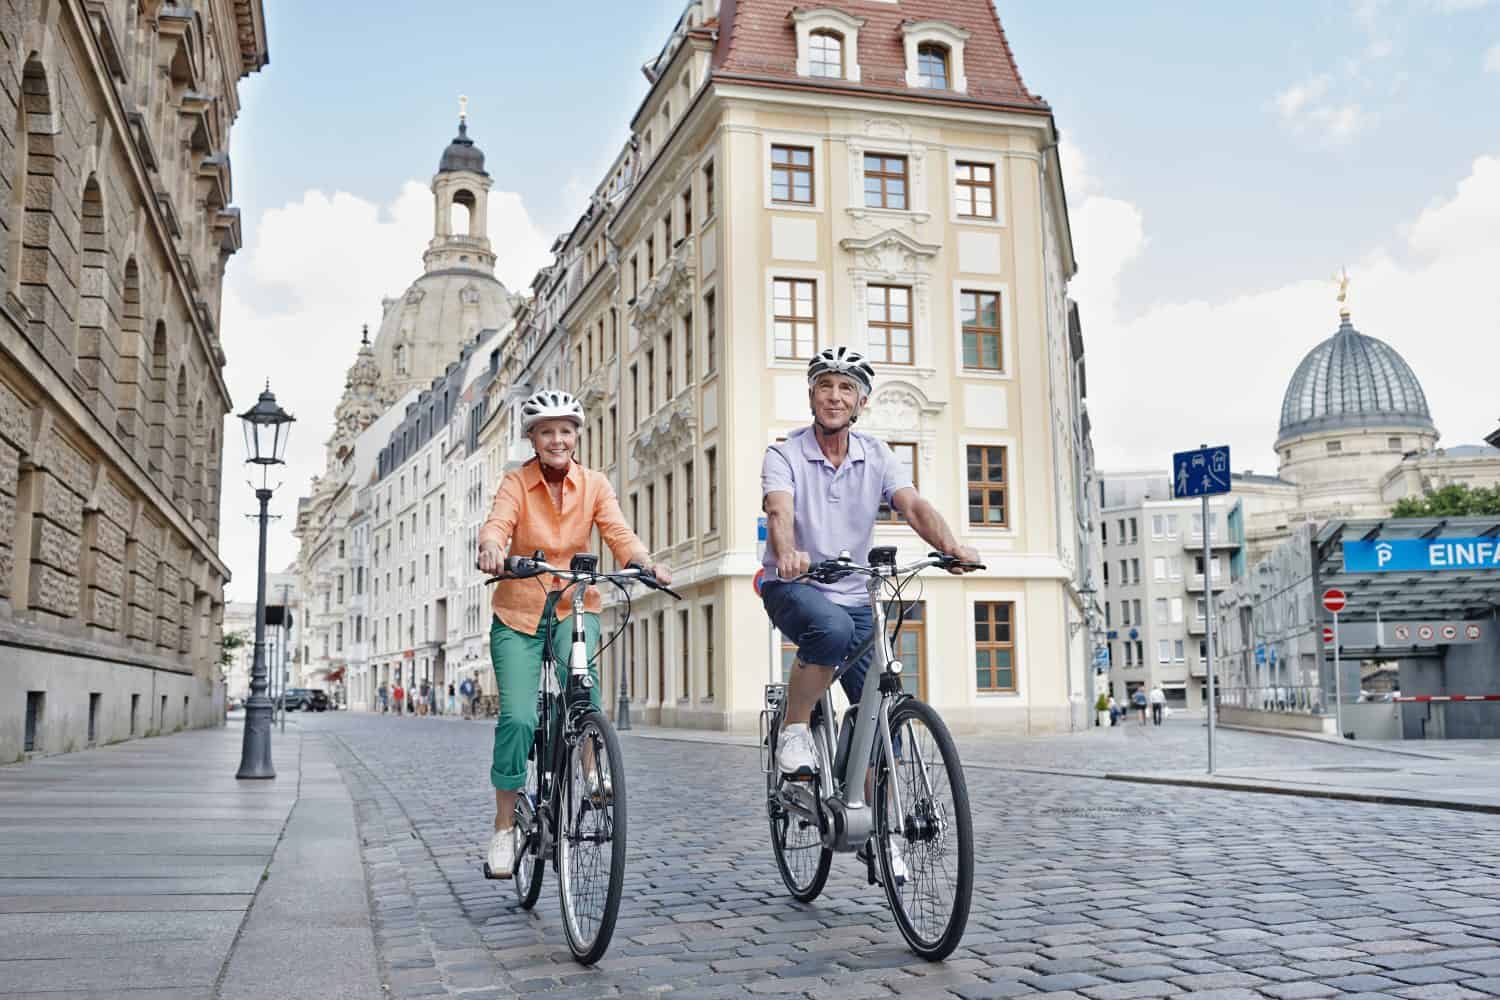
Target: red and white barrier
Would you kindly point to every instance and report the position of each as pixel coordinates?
(1448, 697)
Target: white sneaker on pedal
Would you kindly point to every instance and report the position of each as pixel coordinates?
(795, 754)
(599, 792)
(500, 859)
(898, 864)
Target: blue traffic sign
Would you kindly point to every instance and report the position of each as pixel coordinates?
(1201, 473)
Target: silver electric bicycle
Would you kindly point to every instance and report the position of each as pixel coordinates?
(572, 809)
(916, 825)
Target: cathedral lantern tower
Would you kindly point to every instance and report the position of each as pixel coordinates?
(460, 195)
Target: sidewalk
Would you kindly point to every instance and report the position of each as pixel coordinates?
(147, 869)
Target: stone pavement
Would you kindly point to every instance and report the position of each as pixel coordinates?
(145, 869)
(1086, 888)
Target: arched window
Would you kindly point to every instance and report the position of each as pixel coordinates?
(932, 66)
(462, 218)
(180, 439)
(31, 228)
(401, 359)
(826, 55)
(156, 407)
(134, 368)
(94, 298)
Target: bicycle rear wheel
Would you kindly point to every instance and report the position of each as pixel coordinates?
(800, 855)
(591, 839)
(934, 831)
(529, 861)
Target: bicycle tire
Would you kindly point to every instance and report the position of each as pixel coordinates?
(530, 865)
(806, 888)
(589, 948)
(940, 943)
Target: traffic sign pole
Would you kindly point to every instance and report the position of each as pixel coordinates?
(1338, 680)
(1208, 581)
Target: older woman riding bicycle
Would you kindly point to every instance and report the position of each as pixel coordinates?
(552, 504)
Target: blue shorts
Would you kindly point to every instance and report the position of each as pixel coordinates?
(825, 633)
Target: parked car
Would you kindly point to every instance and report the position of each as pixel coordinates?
(306, 700)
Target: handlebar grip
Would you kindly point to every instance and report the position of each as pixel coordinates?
(520, 566)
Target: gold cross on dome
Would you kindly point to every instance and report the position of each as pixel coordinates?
(463, 108)
(1343, 297)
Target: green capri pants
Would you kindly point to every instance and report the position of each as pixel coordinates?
(517, 659)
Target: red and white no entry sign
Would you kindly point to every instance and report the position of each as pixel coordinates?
(1334, 600)
(1328, 633)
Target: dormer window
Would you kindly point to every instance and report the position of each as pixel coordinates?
(935, 55)
(827, 43)
(826, 55)
(932, 66)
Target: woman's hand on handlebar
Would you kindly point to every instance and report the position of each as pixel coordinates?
(491, 560)
(662, 574)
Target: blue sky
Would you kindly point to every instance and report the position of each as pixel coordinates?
(1223, 160)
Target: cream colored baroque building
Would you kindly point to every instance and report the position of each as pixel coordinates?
(115, 202)
(870, 174)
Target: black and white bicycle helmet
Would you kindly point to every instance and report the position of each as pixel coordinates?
(842, 360)
(548, 404)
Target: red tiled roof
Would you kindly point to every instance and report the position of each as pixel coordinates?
(757, 39)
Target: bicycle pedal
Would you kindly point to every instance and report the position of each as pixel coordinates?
(801, 777)
(494, 878)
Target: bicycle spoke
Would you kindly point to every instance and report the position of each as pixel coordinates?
(928, 894)
(589, 836)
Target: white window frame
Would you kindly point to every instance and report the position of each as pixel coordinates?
(1176, 607)
(1159, 611)
(811, 140)
(996, 162)
(1017, 601)
(942, 33)
(1174, 567)
(1012, 495)
(820, 301)
(1007, 372)
(1158, 526)
(700, 672)
(1179, 651)
(1164, 651)
(827, 19)
(1159, 567)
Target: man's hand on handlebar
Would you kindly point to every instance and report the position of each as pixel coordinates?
(491, 560)
(792, 565)
(966, 560)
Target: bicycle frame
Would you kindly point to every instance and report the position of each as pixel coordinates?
(844, 794)
(555, 707)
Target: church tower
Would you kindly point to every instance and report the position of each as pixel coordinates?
(460, 195)
(457, 296)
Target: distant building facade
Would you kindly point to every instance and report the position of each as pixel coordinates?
(115, 200)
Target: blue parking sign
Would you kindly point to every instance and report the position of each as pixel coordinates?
(1200, 473)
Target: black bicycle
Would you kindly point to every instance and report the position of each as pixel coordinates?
(917, 829)
(572, 809)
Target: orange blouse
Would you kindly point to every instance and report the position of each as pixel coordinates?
(525, 517)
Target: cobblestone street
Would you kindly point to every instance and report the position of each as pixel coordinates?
(1085, 888)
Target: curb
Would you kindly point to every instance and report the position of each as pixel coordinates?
(1332, 741)
(1308, 792)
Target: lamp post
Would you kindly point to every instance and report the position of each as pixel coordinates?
(266, 428)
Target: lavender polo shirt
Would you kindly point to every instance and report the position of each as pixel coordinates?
(834, 510)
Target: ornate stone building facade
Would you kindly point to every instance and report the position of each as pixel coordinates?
(115, 195)
(799, 177)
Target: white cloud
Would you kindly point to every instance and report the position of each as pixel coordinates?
(1456, 6)
(1492, 59)
(294, 301)
(1306, 108)
(1214, 367)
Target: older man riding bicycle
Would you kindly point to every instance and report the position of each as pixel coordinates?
(822, 490)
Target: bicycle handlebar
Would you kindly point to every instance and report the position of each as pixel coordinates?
(522, 568)
(833, 570)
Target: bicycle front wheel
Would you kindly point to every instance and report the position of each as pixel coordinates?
(932, 832)
(591, 838)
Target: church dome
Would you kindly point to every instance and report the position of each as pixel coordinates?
(1351, 381)
(462, 154)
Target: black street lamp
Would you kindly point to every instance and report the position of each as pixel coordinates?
(266, 428)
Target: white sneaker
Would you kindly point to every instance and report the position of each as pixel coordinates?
(500, 859)
(598, 791)
(898, 864)
(795, 753)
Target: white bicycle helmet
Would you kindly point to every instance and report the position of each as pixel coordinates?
(842, 360)
(548, 404)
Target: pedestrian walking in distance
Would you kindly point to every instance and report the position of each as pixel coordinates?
(1139, 701)
(381, 695)
(398, 696)
(1158, 704)
(452, 699)
(1114, 711)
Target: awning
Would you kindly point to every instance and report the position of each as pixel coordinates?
(336, 674)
